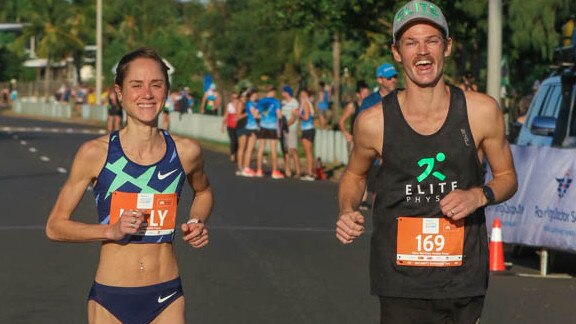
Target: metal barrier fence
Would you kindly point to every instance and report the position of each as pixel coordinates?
(97, 112)
(329, 145)
(31, 106)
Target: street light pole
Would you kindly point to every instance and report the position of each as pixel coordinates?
(98, 52)
(494, 48)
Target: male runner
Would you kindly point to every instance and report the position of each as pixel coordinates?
(386, 77)
(429, 249)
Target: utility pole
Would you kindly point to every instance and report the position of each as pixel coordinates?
(98, 52)
(494, 48)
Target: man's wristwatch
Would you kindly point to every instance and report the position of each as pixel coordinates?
(489, 194)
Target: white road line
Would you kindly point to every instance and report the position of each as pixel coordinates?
(44, 158)
(23, 143)
(52, 130)
(61, 170)
(32, 149)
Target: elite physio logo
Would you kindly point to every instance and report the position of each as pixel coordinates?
(436, 185)
(429, 163)
(564, 183)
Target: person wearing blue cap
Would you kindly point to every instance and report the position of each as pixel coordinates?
(429, 246)
(386, 77)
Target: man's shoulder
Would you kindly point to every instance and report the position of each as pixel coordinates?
(481, 105)
(372, 119)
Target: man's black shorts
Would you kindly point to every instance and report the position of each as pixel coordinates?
(266, 133)
(419, 311)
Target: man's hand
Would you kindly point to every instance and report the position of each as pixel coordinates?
(460, 203)
(349, 226)
(195, 234)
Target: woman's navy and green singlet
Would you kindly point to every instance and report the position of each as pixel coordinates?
(121, 174)
(417, 171)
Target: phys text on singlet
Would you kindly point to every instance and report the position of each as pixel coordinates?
(416, 252)
(154, 189)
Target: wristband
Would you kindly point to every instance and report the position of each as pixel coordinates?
(194, 221)
(489, 194)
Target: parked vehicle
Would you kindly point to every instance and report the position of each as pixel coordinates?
(551, 119)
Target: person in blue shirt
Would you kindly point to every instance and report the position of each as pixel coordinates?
(270, 114)
(323, 104)
(386, 77)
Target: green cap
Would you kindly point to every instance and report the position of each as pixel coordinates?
(417, 10)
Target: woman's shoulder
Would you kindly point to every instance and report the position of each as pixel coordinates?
(187, 147)
(96, 147)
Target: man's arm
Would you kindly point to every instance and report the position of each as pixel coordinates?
(368, 137)
(488, 129)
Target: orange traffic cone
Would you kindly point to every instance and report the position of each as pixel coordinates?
(320, 174)
(496, 247)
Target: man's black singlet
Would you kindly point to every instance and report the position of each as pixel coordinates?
(449, 154)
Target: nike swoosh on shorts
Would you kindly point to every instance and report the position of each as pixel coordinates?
(163, 299)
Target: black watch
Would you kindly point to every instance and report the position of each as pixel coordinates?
(489, 194)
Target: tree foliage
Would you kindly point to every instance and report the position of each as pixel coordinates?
(284, 41)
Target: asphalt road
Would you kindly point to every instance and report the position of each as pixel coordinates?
(272, 258)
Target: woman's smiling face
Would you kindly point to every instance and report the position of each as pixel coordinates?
(143, 91)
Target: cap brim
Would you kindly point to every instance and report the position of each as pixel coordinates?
(419, 20)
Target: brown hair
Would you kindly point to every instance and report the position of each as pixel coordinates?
(143, 52)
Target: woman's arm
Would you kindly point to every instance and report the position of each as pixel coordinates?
(60, 227)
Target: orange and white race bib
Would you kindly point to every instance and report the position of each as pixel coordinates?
(429, 242)
(159, 211)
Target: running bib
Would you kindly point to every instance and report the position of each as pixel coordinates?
(159, 211)
(429, 242)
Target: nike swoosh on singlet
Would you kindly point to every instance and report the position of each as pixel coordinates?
(165, 175)
(163, 299)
